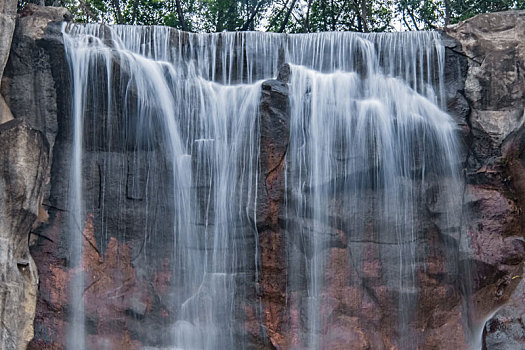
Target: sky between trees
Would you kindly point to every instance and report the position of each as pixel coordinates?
(290, 16)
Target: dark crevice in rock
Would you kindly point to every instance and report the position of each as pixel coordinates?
(459, 52)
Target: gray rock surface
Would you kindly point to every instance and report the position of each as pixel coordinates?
(23, 164)
(28, 85)
(24, 172)
(7, 26)
(5, 112)
(495, 86)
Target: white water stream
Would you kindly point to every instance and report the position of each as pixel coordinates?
(365, 117)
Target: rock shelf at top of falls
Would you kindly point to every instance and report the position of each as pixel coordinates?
(207, 204)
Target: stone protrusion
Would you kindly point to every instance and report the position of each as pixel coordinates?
(23, 164)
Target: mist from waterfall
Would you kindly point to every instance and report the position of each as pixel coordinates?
(368, 136)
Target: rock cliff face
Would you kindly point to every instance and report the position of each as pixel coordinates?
(24, 164)
(24, 171)
(7, 26)
(495, 90)
(128, 299)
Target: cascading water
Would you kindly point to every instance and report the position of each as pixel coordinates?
(366, 139)
(209, 134)
(364, 147)
(76, 334)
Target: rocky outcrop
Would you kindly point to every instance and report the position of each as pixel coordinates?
(31, 79)
(23, 164)
(494, 49)
(23, 175)
(494, 86)
(24, 172)
(7, 26)
(274, 116)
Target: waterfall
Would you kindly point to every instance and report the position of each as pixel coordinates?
(366, 135)
(76, 334)
(171, 120)
(364, 148)
(209, 137)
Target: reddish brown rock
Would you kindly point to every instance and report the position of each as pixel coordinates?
(274, 116)
(113, 293)
(110, 288)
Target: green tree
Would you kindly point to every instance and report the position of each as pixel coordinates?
(330, 15)
(421, 14)
(463, 9)
(293, 16)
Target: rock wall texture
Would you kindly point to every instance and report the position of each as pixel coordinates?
(495, 90)
(23, 164)
(7, 26)
(23, 172)
(484, 89)
(127, 297)
(274, 143)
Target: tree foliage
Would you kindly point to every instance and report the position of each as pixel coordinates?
(293, 16)
(463, 9)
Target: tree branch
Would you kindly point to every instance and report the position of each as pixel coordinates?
(287, 17)
(276, 18)
(180, 15)
(250, 20)
(361, 15)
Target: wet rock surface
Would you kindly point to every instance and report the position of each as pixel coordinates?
(274, 116)
(127, 235)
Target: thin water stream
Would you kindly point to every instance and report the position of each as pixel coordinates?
(366, 117)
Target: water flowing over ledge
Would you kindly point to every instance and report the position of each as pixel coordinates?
(301, 234)
(367, 139)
